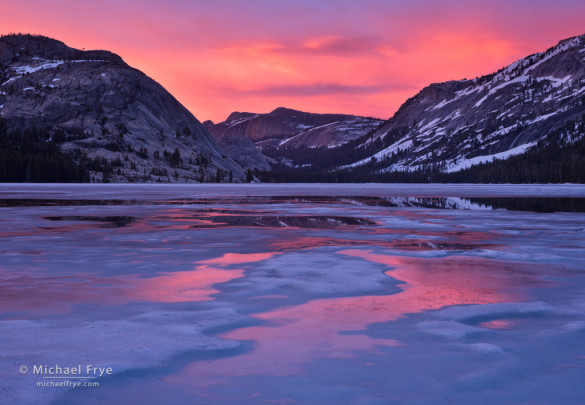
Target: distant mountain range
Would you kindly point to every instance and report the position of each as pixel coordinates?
(70, 115)
(285, 128)
(64, 110)
(288, 128)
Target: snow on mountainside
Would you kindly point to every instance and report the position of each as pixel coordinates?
(93, 104)
(455, 124)
(284, 127)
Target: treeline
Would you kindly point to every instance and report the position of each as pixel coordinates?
(542, 204)
(547, 163)
(362, 174)
(32, 156)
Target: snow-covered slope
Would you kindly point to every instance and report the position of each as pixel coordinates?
(452, 125)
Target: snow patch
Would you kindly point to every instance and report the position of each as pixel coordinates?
(31, 69)
(429, 125)
(569, 44)
(544, 117)
(467, 163)
(442, 104)
(519, 79)
(233, 123)
(556, 82)
(397, 146)
(10, 80)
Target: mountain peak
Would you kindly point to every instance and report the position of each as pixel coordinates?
(284, 110)
(31, 41)
(236, 115)
(580, 38)
(29, 47)
(285, 127)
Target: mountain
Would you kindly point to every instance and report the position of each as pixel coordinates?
(71, 115)
(536, 102)
(459, 123)
(61, 108)
(288, 128)
(242, 150)
(244, 136)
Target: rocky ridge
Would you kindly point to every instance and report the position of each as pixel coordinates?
(287, 128)
(93, 104)
(453, 125)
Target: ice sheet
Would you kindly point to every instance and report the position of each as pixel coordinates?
(416, 304)
(155, 191)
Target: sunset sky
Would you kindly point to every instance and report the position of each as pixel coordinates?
(361, 57)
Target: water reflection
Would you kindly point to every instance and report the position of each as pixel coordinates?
(33, 290)
(284, 283)
(58, 294)
(534, 204)
(498, 324)
(118, 221)
(181, 286)
(239, 258)
(277, 221)
(296, 335)
(446, 241)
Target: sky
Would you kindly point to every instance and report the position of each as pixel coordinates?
(363, 57)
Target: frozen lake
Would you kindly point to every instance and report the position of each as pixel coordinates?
(285, 294)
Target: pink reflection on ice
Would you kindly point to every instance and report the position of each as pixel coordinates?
(180, 286)
(32, 290)
(56, 294)
(433, 283)
(453, 240)
(193, 285)
(298, 334)
(497, 324)
(238, 258)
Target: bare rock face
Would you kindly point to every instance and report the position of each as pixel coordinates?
(244, 135)
(241, 149)
(284, 127)
(455, 124)
(244, 152)
(96, 104)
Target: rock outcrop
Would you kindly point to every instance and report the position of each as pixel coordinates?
(96, 105)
